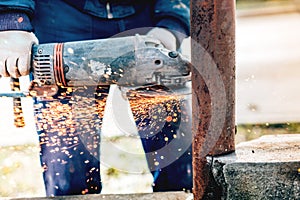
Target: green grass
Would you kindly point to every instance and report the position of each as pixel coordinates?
(248, 4)
(112, 172)
(246, 132)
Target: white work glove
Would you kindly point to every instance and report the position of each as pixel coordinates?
(166, 37)
(15, 53)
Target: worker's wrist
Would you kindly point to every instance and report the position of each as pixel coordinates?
(176, 27)
(14, 20)
(166, 37)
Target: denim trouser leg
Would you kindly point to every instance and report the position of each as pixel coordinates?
(165, 130)
(69, 133)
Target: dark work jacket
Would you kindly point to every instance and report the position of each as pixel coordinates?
(171, 14)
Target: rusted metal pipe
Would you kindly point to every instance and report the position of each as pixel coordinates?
(213, 83)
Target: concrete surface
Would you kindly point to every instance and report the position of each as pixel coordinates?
(270, 148)
(267, 53)
(265, 168)
(148, 196)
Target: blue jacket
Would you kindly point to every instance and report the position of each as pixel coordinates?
(171, 14)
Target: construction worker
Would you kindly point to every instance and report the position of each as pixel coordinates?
(70, 146)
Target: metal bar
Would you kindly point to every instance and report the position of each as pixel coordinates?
(213, 84)
(14, 94)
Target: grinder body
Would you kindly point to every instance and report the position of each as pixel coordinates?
(130, 61)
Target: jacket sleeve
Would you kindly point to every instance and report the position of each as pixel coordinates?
(21, 5)
(15, 14)
(173, 15)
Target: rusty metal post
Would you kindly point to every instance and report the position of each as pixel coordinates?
(213, 80)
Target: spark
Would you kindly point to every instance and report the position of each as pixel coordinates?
(64, 126)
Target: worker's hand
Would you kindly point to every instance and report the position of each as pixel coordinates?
(166, 37)
(15, 53)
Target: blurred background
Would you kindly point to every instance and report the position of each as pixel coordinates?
(267, 101)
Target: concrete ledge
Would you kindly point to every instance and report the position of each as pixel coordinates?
(266, 168)
(262, 181)
(270, 148)
(148, 196)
